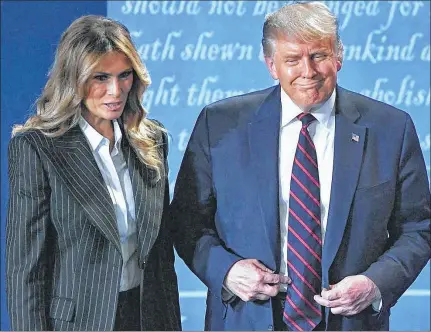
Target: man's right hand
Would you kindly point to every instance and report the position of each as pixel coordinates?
(250, 280)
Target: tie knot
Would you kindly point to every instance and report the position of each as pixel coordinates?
(306, 119)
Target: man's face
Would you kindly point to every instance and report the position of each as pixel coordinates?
(307, 71)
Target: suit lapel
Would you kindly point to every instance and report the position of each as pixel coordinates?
(349, 143)
(348, 151)
(74, 162)
(263, 134)
(149, 198)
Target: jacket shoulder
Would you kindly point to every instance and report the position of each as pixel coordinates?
(161, 136)
(374, 111)
(247, 101)
(34, 138)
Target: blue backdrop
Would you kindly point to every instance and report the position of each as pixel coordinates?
(198, 52)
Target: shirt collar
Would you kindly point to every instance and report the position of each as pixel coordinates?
(95, 138)
(289, 110)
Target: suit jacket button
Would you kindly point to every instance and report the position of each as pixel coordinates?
(270, 327)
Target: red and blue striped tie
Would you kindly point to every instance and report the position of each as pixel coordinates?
(304, 246)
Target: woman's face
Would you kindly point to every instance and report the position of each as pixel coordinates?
(108, 88)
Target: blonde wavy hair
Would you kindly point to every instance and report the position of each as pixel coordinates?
(61, 103)
(306, 21)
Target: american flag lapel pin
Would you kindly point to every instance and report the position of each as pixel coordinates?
(355, 137)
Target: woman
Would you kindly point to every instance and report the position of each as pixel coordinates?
(88, 246)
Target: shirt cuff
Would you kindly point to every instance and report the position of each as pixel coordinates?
(227, 295)
(377, 303)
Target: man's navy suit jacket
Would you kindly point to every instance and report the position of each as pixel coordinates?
(226, 200)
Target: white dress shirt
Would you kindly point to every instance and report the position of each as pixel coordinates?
(117, 179)
(322, 132)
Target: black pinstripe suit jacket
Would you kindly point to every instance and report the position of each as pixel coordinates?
(63, 255)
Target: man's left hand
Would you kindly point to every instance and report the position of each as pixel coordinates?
(350, 296)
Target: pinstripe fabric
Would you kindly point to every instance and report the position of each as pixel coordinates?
(63, 257)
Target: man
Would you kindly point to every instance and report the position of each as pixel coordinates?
(303, 206)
